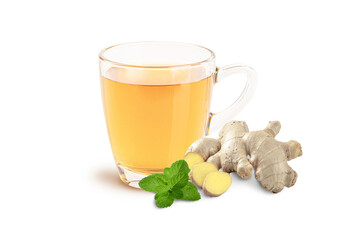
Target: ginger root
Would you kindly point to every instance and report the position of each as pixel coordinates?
(201, 150)
(267, 155)
(200, 171)
(216, 183)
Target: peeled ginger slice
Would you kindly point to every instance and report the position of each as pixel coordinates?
(193, 159)
(200, 171)
(216, 183)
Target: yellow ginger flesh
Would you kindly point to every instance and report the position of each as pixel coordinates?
(216, 183)
(200, 171)
(192, 159)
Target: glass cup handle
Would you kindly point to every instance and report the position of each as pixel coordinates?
(217, 120)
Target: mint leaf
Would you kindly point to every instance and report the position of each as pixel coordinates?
(176, 193)
(177, 174)
(179, 166)
(162, 194)
(164, 201)
(179, 180)
(154, 183)
(190, 192)
(173, 184)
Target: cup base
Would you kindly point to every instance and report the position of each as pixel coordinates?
(129, 177)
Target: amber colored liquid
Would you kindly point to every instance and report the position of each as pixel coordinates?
(151, 126)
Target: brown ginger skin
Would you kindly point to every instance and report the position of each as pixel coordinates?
(267, 155)
(204, 147)
(201, 150)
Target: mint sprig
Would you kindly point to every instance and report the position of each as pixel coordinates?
(173, 184)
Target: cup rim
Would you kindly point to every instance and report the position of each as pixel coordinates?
(209, 59)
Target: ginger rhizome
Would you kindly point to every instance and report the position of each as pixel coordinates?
(267, 155)
(216, 183)
(201, 150)
(200, 171)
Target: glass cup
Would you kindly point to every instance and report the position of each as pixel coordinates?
(156, 98)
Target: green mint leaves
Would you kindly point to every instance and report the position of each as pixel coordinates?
(173, 184)
(154, 183)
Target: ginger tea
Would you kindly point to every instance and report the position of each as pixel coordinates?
(151, 124)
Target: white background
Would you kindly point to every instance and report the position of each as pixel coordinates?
(57, 176)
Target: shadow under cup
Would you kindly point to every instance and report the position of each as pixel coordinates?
(156, 98)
